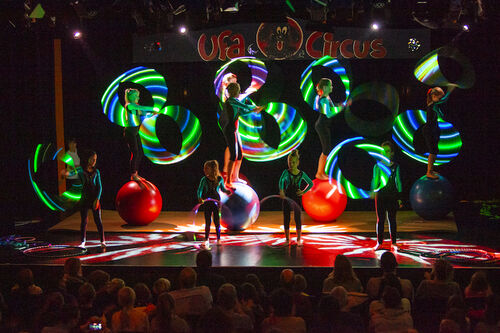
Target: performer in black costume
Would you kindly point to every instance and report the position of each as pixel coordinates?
(430, 130)
(209, 188)
(232, 109)
(131, 134)
(388, 197)
(290, 186)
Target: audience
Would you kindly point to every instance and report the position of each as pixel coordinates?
(160, 286)
(478, 286)
(439, 283)
(128, 318)
(250, 304)
(165, 319)
(189, 299)
(72, 278)
(86, 297)
(227, 300)
(342, 275)
(350, 321)
(301, 301)
(205, 275)
(66, 322)
(281, 320)
(390, 315)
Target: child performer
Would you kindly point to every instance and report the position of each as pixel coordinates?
(226, 80)
(131, 134)
(72, 151)
(232, 109)
(430, 130)
(209, 188)
(290, 186)
(387, 198)
(323, 104)
(90, 179)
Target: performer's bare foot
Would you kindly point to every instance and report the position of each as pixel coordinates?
(378, 247)
(239, 180)
(135, 177)
(300, 242)
(82, 244)
(230, 186)
(218, 242)
(394, 247)
(103, 244)
(206, 245)
(321, 176)
(431, 175)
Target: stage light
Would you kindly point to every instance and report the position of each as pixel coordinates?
(182, 29)
(375, 26)
(465, 28)
(77, 34)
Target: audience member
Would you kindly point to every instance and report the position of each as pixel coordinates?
(286, 279)
(143, 299)
(227, 300)
(281, 318)
(86, 297)
(165, 319)
(73, 278)
(206, 277)
(129, 319)
(67, 320)
(478, 286)
(350, 321)
(250, 304)
(189, 299)
(392, 317)
(388, 264)
(301, 301)
(439, 283)
(99, 279)
(215, 320)
(160, 286)
(342, 275)
(491, 321)
(25, 299)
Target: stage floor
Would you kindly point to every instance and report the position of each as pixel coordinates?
(173, 241)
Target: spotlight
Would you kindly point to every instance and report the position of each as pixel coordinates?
(465, 28)
(375, 26)
(77, 34)
(182, 29)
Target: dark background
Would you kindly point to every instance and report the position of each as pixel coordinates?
(91, 64)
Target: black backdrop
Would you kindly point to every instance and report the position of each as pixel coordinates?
(89, 65)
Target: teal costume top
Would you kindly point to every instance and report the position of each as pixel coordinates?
(393, 184)
(287, 180)
(232, 109)
(210, 189)
(91, 185)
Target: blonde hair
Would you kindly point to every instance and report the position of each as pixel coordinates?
(211, 169)
(227, 77)
(434, 91)
(126, 300)
(129, 92)
(293, 154)
(321, 84)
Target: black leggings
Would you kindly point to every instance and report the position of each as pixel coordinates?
(211, 209)
(431, 136)
(386, 204)
(134, 144)
(233, 142)
(322, 127)
(297, 214)
(97, 220)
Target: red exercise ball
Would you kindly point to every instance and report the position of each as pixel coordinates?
(138, 202)
(324, 202)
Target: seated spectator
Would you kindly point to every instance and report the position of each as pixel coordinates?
(227, 300)
(215, 320)
(286, 279)
(342, 275)
(25, 299)
(301, 301)
(261, 292)
(25, 284)
(160, 286)
(107, 303)
(129, 319)
(392, 317)
(491, 321)
(143, 299)
(458, 315)
(86, 297)
(165, 319)
(390, 280)
(99, 279)
(67, 320)
(189, 299)
(205, 275)
(449, 326)
(388, 264)
(439, 283)
(351, 322)
(478, 286)
(328, 312)
(281, 319)
(48, 315)
(250, 304)
(73, 278)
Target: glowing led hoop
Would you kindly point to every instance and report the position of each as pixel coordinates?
(257, 68)
(293, 131)
(403, 132)
(46, 153)
(149, 79)
(334, 172)
(382, 93)
(190, 129)
(429, 72)
(307, 86)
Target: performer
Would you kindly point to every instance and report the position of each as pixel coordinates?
(232, 109)
(226, 80)
(430, 130)
(90, 179)
(387, 198)
(72, 151)
(209, 188)
(290, 186)
(131, 134)
(323, 104)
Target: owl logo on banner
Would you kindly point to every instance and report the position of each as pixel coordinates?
(279, 40)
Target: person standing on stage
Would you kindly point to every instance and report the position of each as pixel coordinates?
(430, 130)
(209, 188)
(226, 80)
(290, 186)
(232, 109)
(387, 198)
(131, 134)
(72, 151)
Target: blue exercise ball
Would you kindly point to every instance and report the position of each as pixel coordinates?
(431, 199)
(239, 209)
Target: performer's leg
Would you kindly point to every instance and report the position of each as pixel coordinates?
(131, 140)
(237, 162)
(380, 211)
(217, 222)
(322, 127)
(229, 135)
(208, 220)
(98, 223)
(321, 174)
(430, 166)
(227, 154)
(84, 211)
(140, 153)
(286, 219)
(297, 215)
(391, 216)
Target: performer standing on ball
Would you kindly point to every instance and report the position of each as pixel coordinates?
(430, 130)
(226, 80)
(324, 105)
(90, 179)
(131, 134)
(209, 188)
(229, 120)
(387, 198)
(289, 184)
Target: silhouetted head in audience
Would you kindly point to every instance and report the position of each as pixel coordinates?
(492, 313)
(143, 294)
(299, 283)
(286, 279)
(165, 309)
(73, 267)
(187, 278)
(248, 293)
(216, 320)
(161, 285)
(456, 301)
(254, 279)
(69, 316)
(390, 280)
(328, 308)
(449, 326)
(86, 294)
(54, 302)
(115, 285)
(98, 279)
(204, 259)
(479, 282)
(226, 296)
(459, 317)
(126, 298)
(340, 294)
(388, 262)
(25, 278)
(282, 302)
(343, 271)
(442, 271)
(391, 298)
